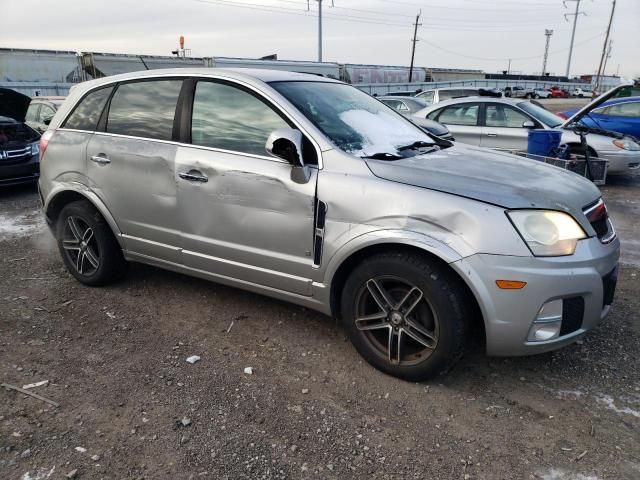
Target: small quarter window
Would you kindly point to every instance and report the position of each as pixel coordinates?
(87, 113)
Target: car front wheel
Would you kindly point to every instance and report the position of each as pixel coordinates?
(87, 245)
(405, 315)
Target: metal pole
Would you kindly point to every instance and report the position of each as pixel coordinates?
(606, 59)
(604, 48)
(548, 34)
(413, 48)
(573, 34)
(320, 30)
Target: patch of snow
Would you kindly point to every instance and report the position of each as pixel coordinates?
(559, 474)
(20, 225)
(569, 394)
(381, 132)
(609, 402)
(39, 474)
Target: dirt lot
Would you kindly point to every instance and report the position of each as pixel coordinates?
(132, 407)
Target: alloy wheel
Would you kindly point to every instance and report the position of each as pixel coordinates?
(397, 320)
(80, 246)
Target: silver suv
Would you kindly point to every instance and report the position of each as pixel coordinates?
(309, 190)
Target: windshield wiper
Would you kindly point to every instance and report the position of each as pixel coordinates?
(383, 156)
(415, 145)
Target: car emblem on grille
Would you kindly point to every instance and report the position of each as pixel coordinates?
(3, 154)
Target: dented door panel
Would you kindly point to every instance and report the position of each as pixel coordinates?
(248, 220)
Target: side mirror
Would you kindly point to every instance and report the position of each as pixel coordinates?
(286, 144)
(47, 120)
(528, 124)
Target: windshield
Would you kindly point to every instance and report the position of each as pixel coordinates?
(354, 121)
(542, 115)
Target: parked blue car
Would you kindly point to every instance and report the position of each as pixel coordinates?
(619, 115)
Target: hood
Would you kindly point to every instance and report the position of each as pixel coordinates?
(575, 118)
(13, 104)
(492, 177)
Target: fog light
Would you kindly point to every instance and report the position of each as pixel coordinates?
(548, 322)
(544, 331)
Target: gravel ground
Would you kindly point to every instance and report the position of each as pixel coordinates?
(132, 407)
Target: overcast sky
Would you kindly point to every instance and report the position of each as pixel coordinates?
(454, 33)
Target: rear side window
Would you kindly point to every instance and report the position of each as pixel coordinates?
(144, 109)
(229, 118)
(427, 96)
(446, 94)
(32, 112)
(87, 113)
(464, 114)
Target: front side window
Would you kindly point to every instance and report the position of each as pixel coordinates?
(144, 109)
(46, 112)
(463, 114)
(354, 121)
(504, 116)
(229, 118)
(87, 113)
(628, 109)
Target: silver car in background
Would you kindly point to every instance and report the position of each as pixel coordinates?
(309, 190)
(407, 106)
(504, 124)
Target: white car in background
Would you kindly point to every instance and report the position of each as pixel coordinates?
(578, 92)
(541, 93)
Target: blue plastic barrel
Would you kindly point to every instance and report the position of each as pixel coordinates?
(542, 142)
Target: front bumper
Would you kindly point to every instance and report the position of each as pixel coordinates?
(622, 161)
(508, 314)
(25, 171)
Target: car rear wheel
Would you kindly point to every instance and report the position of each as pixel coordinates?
(87, 245)
(405, 315)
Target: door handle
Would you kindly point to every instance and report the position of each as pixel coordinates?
(100, 159)
(492, 134)
(193, 176)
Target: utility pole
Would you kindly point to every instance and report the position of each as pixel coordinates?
(319, 26)
(509, 67)
(413, 47)
(573, 32)
(320, 30)
(606, 59)
(604, 48)
(548, 34)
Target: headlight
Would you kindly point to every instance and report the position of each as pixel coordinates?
(35, 148)
(626, 144)
(547, 233)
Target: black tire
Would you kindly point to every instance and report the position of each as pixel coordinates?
(536, 96)
(87, 245)
(439, 311)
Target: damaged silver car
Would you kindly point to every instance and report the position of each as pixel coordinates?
(311, 191)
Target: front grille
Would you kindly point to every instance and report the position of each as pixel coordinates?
(19, 152)
(572, 314)
(609, 282)
(9, 157)
(598, 217)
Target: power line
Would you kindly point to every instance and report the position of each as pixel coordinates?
(505, 58)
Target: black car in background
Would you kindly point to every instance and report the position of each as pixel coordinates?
(19, 143)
